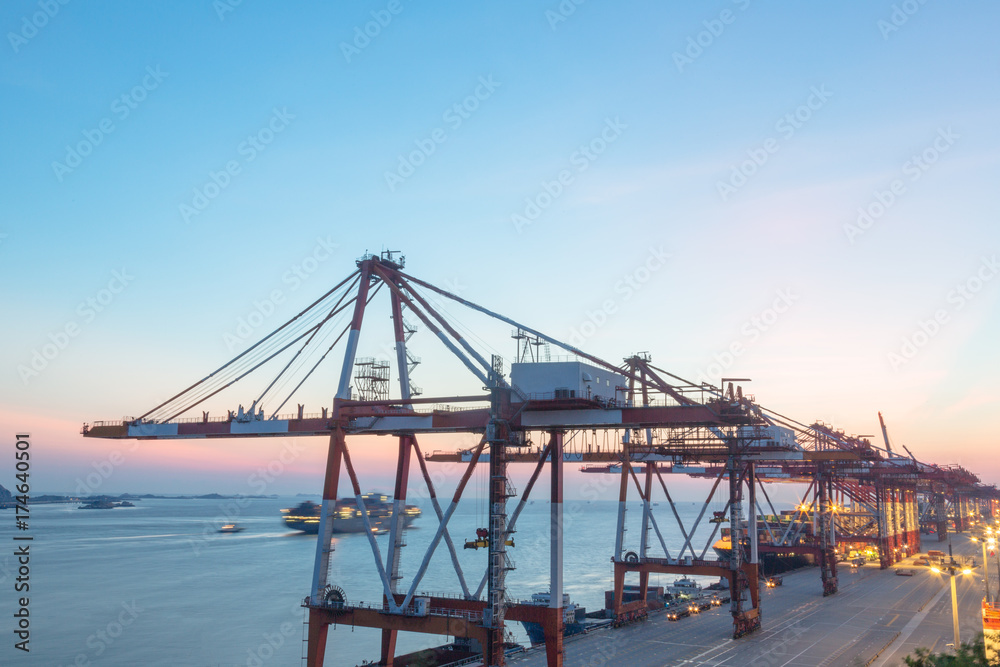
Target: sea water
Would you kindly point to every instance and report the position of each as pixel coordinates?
(157, 585)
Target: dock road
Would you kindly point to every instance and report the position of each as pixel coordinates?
(876, 618)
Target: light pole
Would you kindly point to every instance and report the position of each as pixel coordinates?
(952, 570)
(992, 544)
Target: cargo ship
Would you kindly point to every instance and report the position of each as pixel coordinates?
(347, 515)
(773, 559)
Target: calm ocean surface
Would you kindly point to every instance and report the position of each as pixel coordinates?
(155, 585)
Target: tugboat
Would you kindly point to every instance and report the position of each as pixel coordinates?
(347, 515)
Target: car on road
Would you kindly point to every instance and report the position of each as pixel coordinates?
(678, 614)
(904, 572)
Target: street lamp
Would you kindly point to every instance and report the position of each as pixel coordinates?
(952, 570)
(992, 544)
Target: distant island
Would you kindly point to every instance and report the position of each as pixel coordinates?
(105, 505)
(7, 500)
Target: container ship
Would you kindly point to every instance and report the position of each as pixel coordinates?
(347, 515)
(773, 559)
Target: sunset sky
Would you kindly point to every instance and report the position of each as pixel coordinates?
(813, 186)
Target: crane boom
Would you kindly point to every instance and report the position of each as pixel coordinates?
(885, 433)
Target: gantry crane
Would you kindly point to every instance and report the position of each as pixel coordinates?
(656, 417)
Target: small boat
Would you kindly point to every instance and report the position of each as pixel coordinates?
(231, 528)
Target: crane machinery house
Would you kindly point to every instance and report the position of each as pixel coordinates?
(569, 379)
(770, 436)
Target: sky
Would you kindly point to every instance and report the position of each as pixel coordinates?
(803, 195)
